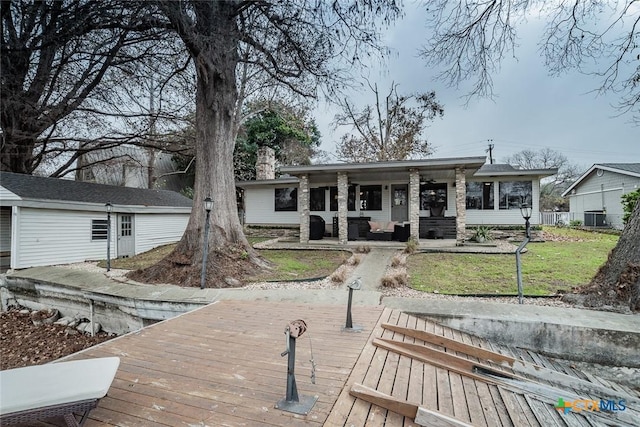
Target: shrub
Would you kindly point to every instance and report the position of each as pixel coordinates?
(481, 233)
(629, 201)
(397, 261)
(395, 280)
(412, 246)
(575, 223)
(338, 276)
(363, 249)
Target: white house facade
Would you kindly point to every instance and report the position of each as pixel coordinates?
(432, 198)
(595, 197)
(48, 221)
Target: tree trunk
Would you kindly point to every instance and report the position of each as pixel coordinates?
(619, 278)
(230, 255)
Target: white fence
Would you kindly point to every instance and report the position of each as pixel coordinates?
(587, 219)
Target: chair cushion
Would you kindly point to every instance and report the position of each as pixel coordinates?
(390, 226)
(375, 226)
(51, 384)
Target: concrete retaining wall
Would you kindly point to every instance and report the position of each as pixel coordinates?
(116, 314)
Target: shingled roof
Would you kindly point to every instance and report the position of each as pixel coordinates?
(39, 188)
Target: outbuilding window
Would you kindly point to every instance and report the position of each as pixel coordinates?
(98, 229)
(479, 195)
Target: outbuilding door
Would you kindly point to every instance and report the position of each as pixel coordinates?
(126, 241)
(399, 203)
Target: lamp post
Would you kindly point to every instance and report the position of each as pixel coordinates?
(108, 206)
(208, 205)
(525, 211)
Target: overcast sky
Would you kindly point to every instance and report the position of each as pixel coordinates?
(532, 109)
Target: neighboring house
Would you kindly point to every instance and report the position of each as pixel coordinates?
(131, 166)
(435, 198)
(595, 197)
(47, 221)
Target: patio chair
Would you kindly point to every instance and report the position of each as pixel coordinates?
(65, 389)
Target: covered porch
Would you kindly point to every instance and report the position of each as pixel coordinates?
(388, 201)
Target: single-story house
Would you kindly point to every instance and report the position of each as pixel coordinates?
(595, 197)
(47, 221)
(429, 198)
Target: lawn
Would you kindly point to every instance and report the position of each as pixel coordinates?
(289, 264)
(571, 259)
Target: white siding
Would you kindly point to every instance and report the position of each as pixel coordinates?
(5, 229)
(499, 216)
(48, 237)
(152, 230)
(6, 195)
(260, 208)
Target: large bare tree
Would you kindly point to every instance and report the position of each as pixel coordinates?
(601, 38)
(390, 129)
(54, 55)
(303, 45)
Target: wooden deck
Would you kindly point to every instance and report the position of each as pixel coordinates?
(221, 366)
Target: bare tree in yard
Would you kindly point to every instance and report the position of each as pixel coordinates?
(390, 129)
(597, 38)
(54, 54)
(551, 188)
(302, 45)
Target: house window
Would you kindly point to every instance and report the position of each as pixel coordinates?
(286, 199)
(514, 194)
(98, 229)
(371, 197)
(479, 195)
(317, 199)
(351, 198)
(433, 195)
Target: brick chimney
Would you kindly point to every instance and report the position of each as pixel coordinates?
(266, 164)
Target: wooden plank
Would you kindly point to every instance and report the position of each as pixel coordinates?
(428, 417)
(399, 406)
(461, 405)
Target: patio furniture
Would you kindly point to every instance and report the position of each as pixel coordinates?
(380, 235)
(316, 227)
(65, 389)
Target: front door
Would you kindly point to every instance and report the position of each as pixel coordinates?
(126, 244)
(399, 203)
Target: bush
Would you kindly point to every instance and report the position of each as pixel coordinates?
(412, 246)
(575, 223)
(629, 201)
(363, 249)
(397, 261)
(481, 234)
(338, 276)
(395, 280)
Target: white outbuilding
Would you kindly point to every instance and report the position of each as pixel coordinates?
(48, 221)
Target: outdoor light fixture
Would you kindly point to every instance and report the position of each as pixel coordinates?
(109, 207)
(208, 206)
(525, 211)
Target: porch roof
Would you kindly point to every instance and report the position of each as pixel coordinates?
(443, 168)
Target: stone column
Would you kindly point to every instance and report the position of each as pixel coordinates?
(414, 203)
(343, 193)
(303, 203)
(461, 206)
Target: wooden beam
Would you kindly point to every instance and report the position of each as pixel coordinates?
(518, 366)
(427, 417)
(402, 407)
(407, 409)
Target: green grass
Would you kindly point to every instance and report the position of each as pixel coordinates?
(546, 267)
(289, 264)
(300, 264)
